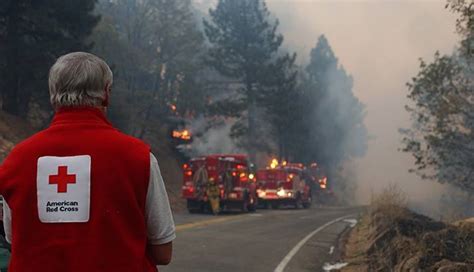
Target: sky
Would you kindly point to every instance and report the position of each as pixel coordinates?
(378, 42)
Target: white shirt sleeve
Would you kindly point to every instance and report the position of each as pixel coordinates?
(159, 220)
(7, 222)
(160, 223)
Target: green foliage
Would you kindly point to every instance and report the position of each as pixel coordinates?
(464, 24)
(244, 46)
(242, 39)
(281, 102)
(441, 137)
(154, 47)
(32, 35)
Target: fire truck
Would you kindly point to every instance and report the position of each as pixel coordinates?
(321, 188)
(233, 176)
(283, 185)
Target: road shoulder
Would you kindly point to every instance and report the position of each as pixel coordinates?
(322, 249)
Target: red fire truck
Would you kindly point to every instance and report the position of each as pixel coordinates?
(322, 191)
(231, 173)
(283, 185)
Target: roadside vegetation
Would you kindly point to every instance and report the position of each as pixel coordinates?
(390, 237)
(441, 94)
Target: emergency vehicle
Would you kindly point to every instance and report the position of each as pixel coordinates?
(283, 185)
(231, 173)
(322, 191)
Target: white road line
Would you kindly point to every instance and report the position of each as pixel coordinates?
(331, 250)
(293, 251)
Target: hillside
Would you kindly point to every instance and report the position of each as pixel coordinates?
(170, 166)
(397, 239)
(12, 131)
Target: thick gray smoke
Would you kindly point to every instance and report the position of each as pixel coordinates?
(340, 108)
(379, 43)
(214, 139)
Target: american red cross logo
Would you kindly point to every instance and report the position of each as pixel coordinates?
(62, 179)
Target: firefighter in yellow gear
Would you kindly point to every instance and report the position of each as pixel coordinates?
(213, 194)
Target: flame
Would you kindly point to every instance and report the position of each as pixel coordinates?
(173, 107)
(182, 134)
(274, 164)
(323, 183)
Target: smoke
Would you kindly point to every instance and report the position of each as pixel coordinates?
(211, 136)
(345, 136)
(379, 43)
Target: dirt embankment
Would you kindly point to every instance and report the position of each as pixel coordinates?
(171, 167)
(391, 238)
(12, 131)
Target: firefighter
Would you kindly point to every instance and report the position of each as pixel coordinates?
(213, 194)
(81, 196)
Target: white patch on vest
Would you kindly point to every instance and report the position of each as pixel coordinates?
(63, 185)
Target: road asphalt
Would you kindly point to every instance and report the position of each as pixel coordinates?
(268, 240)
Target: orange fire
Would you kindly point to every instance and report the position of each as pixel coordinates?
(323, 183)
(182, 134)
(274, 163)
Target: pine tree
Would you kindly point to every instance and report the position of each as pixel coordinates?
(281, 101)
(333, 115)
(243, 44)
(33, 34)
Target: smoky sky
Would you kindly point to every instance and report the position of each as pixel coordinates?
(379, 43)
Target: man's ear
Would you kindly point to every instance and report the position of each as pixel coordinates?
(105, 103)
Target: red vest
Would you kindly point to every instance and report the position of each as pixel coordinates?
(114, 237)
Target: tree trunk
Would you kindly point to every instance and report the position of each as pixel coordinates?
(11, 88)
(252, 109)
(281, 145)
(157, 86)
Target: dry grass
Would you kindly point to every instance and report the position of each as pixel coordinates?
(392, 238)
(391, 199)
(385, 208)
(356, 246)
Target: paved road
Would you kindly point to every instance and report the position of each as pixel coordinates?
(257, 241)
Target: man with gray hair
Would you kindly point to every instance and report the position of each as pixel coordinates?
(81, 196)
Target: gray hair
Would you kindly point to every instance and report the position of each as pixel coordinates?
(79, 79)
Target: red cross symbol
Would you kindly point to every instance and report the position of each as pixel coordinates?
(62, 179)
